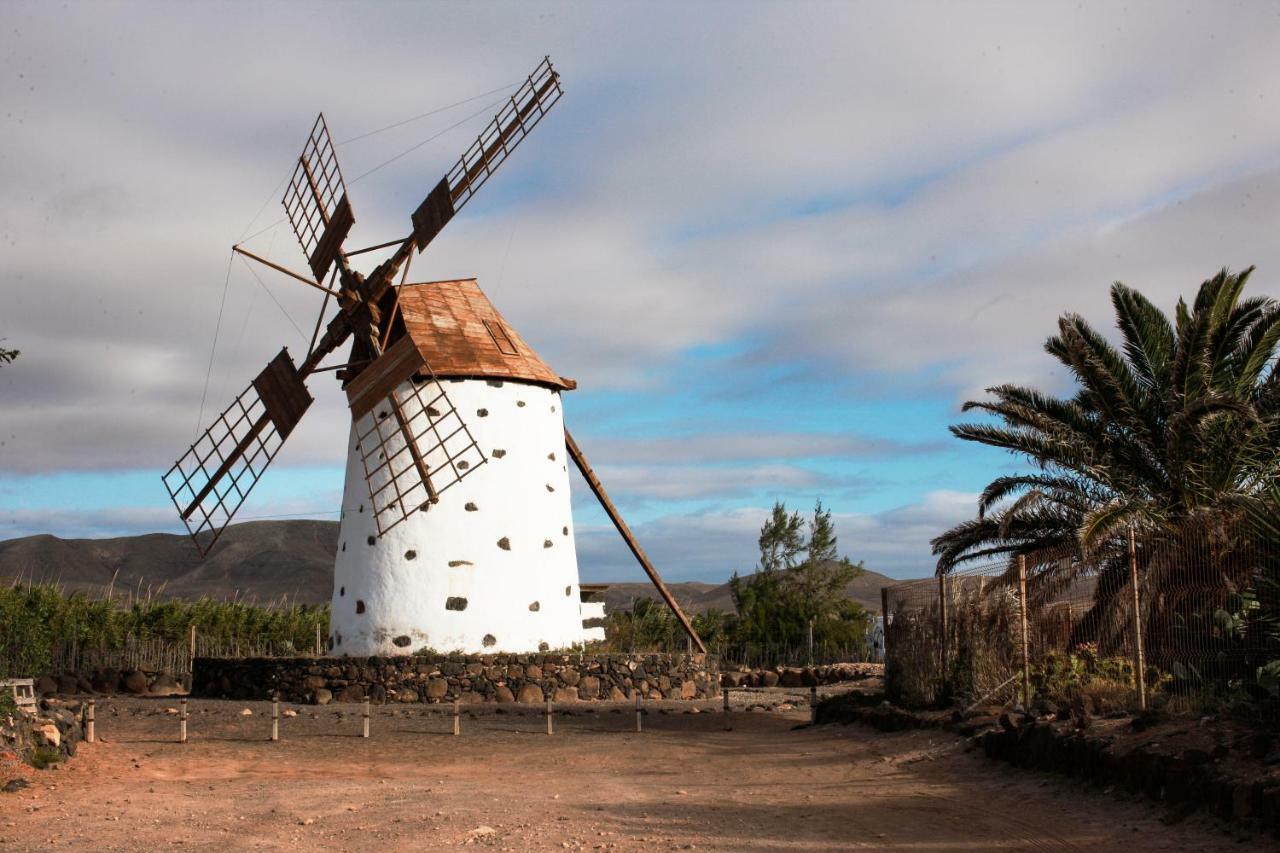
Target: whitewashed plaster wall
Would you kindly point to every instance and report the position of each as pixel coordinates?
(491, 567)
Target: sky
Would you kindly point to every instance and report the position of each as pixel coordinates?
(777, 244)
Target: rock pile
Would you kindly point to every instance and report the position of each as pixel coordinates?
(809, 676)
(108, 680)
(56, 727)
(530, 679)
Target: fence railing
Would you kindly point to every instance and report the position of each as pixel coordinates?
(1187, 620)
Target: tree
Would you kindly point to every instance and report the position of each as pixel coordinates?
(1180, 421)
(799, 583)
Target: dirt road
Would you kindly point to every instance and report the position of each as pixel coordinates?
(684, 783)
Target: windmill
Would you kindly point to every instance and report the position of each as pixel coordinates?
(456, 530)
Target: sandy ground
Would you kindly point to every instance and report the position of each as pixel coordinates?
(684, 783)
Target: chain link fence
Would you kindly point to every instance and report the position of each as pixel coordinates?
(1187, 620)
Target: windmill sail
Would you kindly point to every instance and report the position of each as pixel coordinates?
(509, 127)
(213, 478)
(412, 442)
(316, 201)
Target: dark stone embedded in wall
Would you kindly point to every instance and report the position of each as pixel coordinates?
(504, 543)
(455, 602)
(469, 678)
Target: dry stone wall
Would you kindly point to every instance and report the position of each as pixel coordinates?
(530, 678)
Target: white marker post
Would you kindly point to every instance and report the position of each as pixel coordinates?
(182, 721)
(365, 714)
(88, 721)
(457, 719)
(275, 718)
(639, 726)
(550, 725)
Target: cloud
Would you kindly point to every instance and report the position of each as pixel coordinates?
(709, 546)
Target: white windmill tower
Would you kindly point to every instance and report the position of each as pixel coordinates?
(456, 530)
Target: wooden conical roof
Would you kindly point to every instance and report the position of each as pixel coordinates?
(460, 334)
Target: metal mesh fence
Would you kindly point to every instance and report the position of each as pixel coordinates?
(1185, 619)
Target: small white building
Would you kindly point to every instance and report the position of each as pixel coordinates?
(492, 566)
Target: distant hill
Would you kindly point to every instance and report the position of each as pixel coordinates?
(262, 560)
(266, 561)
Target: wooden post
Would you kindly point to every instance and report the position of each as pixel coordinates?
(365, 715)
(191, 664)
(810, 626)
(88, 721)
(813, 705)
(275, 718)
(457, 719)
(597, 488)
(884, 627)
(639, 727)
(1139, 657)
(943, 629)
(727, 727)
(1026, 649)
(550, 725)
(182, 721)
(318, 647)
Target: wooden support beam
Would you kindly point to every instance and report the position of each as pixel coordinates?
(285, 270)
(601, 495)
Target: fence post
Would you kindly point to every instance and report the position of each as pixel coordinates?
(550, 724)
(884, 629)
(638, 712)
(365, 714)
(88, 722)
(191, 662)
(813, 705)
(318, 639)
(1139, 658)
(1026, 649)
(275, 718)
(727, 727)
(943, 629)
(457, 719)
(182, 721)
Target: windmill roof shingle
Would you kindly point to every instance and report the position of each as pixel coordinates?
(460, 334)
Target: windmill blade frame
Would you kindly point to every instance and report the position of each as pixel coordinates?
(316, 202)
(238, 447)
(412, 442)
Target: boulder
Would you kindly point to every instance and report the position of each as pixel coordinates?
(566, 694)
(589, 687)
(377, 694)
(46, 686)
(616, 694)
(48, 732)
(789, 678)
(768, 678)
(808, 678)
(106, 680)
(164, 685)
(732, 679)
(437, 689)
(503, 694)
(135, 682)
(688, 690)
(323, 696)
(351, 693)
(406, 694)
(533, 672)
(314, 682)
(67, 684)
(530, 694)
(83, 685)
(570, 676)
(471, 697)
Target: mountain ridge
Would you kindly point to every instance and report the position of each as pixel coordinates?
(267, 562)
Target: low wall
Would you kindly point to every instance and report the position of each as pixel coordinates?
(468, 678)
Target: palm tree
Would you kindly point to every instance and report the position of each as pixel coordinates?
(1178, 422)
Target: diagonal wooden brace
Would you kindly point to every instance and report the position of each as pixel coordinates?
(601, 495)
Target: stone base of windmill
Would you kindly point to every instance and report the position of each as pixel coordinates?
(467, 678)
